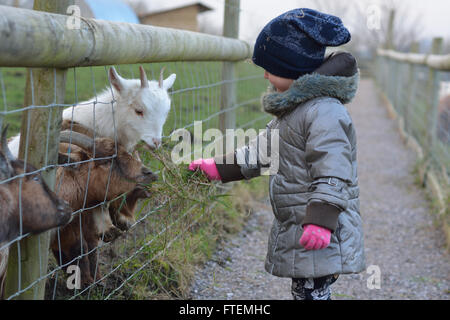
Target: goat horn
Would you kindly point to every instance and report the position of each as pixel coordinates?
(144, 80)
(161, 77)
(4, 145)
(68, 125)
(77, 139)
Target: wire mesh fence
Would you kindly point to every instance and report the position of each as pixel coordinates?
(421, 97)
(168, 209)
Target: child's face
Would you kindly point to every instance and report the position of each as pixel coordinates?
(281, 84)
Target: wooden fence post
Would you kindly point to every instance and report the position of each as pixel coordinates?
(389, 44)
(227, 120)
(44, 87)
(433, 94)
(398, 87)
(391, 80)
(412, 76)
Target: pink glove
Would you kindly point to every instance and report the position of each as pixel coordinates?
(208, 166)
(315, 237)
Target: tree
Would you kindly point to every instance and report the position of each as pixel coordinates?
(369, 23)
(138, 5)
(18, 3)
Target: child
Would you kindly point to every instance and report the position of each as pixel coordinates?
(317, 231)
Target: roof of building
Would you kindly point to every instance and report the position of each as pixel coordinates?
(166, 7)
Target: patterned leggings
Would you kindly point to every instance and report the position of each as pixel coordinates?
(313, 289)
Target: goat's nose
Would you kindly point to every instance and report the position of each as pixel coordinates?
(146, 170)
(150, 176)
(156, 142)
(63, 206)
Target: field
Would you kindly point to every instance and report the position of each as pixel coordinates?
(195, 95)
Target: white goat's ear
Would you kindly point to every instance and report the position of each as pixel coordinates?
(115, 79)
(168, 83)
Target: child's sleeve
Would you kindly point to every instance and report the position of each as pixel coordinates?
(245, 162)
(329, 162)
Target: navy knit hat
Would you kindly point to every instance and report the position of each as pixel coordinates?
(294, 43)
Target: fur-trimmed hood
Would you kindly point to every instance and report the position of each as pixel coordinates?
(308, 87)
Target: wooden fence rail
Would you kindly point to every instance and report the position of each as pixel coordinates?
(39, 39)
(434, 61)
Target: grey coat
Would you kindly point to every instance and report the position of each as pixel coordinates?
(317, 179)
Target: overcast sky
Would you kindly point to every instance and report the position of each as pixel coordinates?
(256, 13)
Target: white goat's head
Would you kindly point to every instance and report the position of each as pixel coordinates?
(142, 107)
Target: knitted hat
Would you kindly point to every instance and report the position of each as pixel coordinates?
(294, 43)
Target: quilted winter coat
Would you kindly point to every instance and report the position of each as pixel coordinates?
(316, 181)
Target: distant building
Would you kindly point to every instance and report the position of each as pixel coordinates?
(181, 17)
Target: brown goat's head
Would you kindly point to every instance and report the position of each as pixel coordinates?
(109, 168)
(26, 199)
(126, 173)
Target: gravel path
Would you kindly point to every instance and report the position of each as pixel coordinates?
(400, 237)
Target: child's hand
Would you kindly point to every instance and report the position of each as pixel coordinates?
(208, 166)
(315, 237)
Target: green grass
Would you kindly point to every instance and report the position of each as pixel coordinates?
(157, 258)
(187, 105)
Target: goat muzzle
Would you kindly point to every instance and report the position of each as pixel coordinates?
(65, 211)
(148, 176)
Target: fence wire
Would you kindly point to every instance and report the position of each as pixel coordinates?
(422, 100)
(163, 218)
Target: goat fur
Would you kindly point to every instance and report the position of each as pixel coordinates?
(124, 174)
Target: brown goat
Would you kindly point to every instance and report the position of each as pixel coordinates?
(121, 213)
(40, 208)
(89, 184)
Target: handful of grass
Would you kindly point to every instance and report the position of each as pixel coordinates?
(176, 181)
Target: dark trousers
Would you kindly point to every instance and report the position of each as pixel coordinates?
(313, 289)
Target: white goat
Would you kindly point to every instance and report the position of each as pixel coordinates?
(140, 111)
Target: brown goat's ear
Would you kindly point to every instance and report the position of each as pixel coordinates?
(6, 170)
(144, 80)
(115, 79)
(64, 158)
(5, 203)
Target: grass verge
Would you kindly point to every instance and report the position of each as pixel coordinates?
(177, 229)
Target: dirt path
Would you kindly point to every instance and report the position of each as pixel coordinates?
(400, 238)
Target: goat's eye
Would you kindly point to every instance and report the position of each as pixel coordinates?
(36, 178)
(139, 113)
